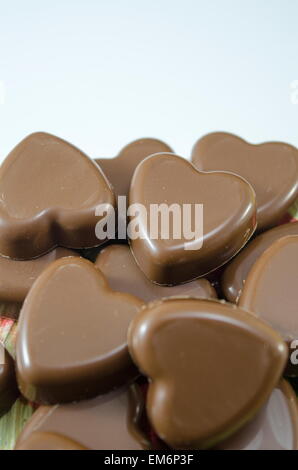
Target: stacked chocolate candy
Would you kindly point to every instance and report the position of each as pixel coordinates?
(153, 341)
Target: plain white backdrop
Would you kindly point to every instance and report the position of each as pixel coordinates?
(101, 73)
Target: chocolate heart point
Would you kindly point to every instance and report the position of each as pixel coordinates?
(271, 168)
(211, 367)
(72, 334)
(49, 192)
(219, 231)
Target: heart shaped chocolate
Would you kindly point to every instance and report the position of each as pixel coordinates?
(49, 192)
(71, 340)
(119, 170)
(271, 168)
(237, 270)
(109, 422)
(270, 290)
(8, 384)
(211, 367)
(228, 221)
(123, 274)
(16, 277)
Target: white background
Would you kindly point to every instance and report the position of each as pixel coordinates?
(102, 73)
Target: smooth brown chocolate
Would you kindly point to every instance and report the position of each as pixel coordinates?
(8, 384)
(118, 265)
(211, 367)
(271, 168)
(119, 170)
(71, 341)
(237, 270)
(16, 277)
(270, 290)
(108, 422)
(275, 427)
(228, 218)
(49, 192)
(49, 441)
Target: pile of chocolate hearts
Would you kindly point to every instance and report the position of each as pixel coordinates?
(151, 341)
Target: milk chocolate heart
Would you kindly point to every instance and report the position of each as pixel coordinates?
(49, 441)
(8, 384)
(275, 427)
(271, 168)
(108, 422)
(49, 192)
(119, 267)
(16, 277)
(270, 290)
(119, 170)
(228, 202)
(211, 367)
(71, 341)
(237, 270)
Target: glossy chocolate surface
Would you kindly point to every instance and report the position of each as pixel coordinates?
(108, 422)
(270, 290)
(118, 265)
(16, 277)
(275, 427)
(228, 218)
(236, 272)
(119, 170)
(49, 191)
(49, 441)
(271, 168)
(71, 340)
(211, 367)
(8, 384)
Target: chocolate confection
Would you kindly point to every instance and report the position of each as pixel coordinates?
(119, 267)
(270, 290)
(275, 427)
(211, 367)
(236, 272)
(271, 168)
(49, 441)
(108, 422)
(8, 384)
(16, 277)
(49, 192)
(71, 341)
(119, 170)
(228, 218)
